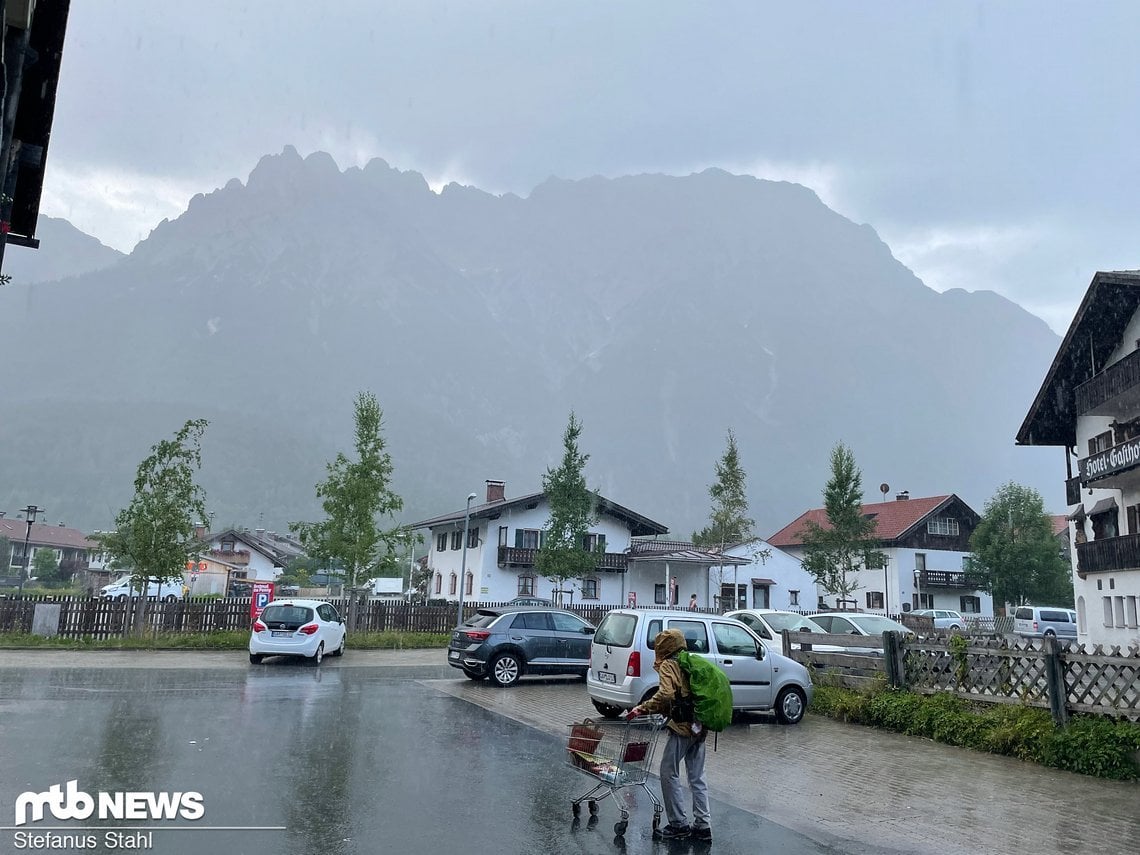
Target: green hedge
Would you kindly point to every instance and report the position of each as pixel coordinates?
(1089, 745)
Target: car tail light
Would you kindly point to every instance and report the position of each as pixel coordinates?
(633, 669)
(309, 628)
(478, 634)
(258, 626)
(1035, 626)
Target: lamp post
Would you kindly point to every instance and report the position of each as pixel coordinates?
(463, 557)
(30, 514)
(918, 585)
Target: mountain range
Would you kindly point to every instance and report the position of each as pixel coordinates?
(664, 311)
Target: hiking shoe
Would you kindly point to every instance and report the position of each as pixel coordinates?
(703, 834)
(672, 832)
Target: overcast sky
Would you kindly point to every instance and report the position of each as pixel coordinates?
(990, 145)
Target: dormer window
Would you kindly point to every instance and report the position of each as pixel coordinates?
(227, 546)
(947, 526)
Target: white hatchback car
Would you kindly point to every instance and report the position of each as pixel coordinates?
(307, 628)
(769, 624)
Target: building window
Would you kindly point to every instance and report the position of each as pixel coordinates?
(589, 589)
(942, 525)
(527, 538)
(1118, 610)
(227, 546)
(874, 599)
(595, 543)
(441, 542)
(728, 601)
(472, 538)
(971, 605)
(526, 586)
(793, 598)
(1130, 612)
(925, 601)
(457, 539)
(468, 584)
(1104, 524)
(451, 585)
(438, 583)
(1100, 442)
(1107, 602)
(659, 594)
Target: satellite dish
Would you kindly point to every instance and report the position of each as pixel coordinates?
(884, 488)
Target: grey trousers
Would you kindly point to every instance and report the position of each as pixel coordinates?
(692, 751)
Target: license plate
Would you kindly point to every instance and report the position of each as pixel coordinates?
(606, 677)
(280, 633)
(453, 654)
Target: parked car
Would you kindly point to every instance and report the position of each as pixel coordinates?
(531, 601)
(860, 623)
(306, 628)
(122, 588)
(506, 643)
(770, 623)
(621, 662)
(943, 618)
(1039, 621)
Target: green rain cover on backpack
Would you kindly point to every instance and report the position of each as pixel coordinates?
(711, 692)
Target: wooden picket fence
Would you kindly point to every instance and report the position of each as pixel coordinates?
(1062, 677)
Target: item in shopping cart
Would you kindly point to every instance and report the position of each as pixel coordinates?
(585, 736)
(635, 752)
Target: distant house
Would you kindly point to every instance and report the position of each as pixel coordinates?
(66, 544)
(1089, 407)
(771, 579)
(242, 555)
(926, 542)
(505, 535)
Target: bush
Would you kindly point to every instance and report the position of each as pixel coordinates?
(1088, 745)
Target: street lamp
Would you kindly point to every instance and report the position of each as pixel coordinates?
(918, 585)
(463, 557)
(30, 514)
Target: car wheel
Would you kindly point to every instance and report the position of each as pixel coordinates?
(120, 598)
(1050, 632)
(255, 658)
(340, 650)
(319, 655)
(471, 675)
(607, 710)
(170, 598)
(506, 669)
(955, 628)
(791, 704)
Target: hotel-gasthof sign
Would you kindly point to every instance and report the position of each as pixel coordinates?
(1110, 461)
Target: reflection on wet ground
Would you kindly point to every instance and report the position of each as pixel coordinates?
(348, 760)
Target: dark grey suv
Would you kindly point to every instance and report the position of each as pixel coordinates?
(505, 643)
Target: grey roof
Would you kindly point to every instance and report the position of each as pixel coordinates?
(681, 552)
(639, 525)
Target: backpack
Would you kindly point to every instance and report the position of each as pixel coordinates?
(711, 691)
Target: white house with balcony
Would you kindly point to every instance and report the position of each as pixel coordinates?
(926, 542)
(504, 536)
(1089, 406)
(770, 578)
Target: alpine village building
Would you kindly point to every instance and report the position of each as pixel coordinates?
(1089, 405)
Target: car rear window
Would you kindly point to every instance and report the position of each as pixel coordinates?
(616, 630)
(1024, 614)
(287, 614)
(1055, 617)
(481, 620)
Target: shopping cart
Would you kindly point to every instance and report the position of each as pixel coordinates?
(618, 754)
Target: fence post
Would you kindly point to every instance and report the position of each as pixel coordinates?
(1055, 681)
(786, 643)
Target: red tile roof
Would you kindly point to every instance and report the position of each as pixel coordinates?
(45, 535)
(893, 518)
(1060, 523)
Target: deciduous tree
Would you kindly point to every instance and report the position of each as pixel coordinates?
(834, 553)
(1015, 554)
(355, 496)
(154, 535)
(573, 509)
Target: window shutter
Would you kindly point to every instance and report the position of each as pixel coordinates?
(542, 538)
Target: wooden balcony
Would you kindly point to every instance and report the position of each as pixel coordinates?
(1109, 553)
(947, 579)
(513, 556)
(1117, 387)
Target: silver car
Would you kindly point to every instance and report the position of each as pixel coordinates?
(943, 618)
(1040, 621)
(621, 671)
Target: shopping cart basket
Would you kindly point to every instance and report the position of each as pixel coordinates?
(618, 754)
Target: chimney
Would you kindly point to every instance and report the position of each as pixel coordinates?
(496, 491)
(903, 496)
